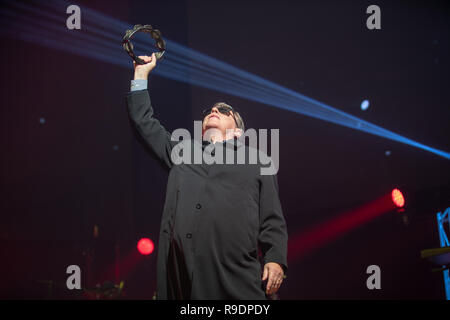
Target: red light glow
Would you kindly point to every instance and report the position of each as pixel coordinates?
(397, 198)
(145, 246)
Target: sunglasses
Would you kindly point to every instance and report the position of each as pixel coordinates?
(223, 110)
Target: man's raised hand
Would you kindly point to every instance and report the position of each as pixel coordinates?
(141, 71)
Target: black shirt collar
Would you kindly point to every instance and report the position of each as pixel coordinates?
(235, 143)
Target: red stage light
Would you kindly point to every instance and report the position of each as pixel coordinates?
(397, 198)
(145, 246)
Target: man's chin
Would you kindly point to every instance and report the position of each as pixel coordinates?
(211, 126)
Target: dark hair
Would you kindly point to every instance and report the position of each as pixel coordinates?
(237, 116)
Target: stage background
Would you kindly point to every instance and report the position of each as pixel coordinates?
(83, 167)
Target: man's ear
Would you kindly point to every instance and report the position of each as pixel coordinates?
(238, 132)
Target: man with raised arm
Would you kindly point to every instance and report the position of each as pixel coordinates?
(223, 234)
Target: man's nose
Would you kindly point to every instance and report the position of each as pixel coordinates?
(214, 109)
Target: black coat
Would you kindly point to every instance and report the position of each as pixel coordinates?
(218, 220)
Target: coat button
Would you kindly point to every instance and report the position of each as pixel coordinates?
(198, 206)
(188, 235)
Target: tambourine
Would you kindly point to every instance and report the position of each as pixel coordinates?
(155, 34)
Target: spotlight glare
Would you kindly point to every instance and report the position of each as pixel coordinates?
(145, 246)
(365, 105)
(397, 198)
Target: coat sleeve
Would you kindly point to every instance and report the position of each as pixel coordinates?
(273, 235)
(150, 131)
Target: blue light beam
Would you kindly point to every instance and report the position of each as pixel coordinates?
(101, 40)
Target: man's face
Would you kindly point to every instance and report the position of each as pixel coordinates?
(219, 121)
